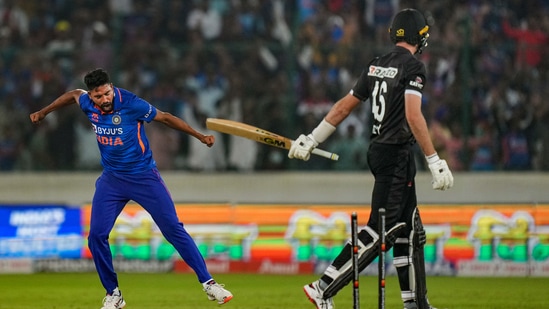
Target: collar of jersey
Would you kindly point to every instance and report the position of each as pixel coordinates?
(401, 49)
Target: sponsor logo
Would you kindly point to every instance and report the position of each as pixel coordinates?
(149, 112)
(53, 216)
(268, 267)
(40, 232)
(107, 131)
(382, 72)
(400, 32)
(219, 266)
(270, 139)
(16, 266)
(257, 266)
(416, 84)
(273, 142)
(86, 265)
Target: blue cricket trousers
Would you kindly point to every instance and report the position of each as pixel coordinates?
(112, 193)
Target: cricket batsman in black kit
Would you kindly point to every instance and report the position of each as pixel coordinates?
(394, 84)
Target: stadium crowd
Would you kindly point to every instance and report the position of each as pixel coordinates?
(278, 65)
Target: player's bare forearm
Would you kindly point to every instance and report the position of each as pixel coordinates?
(180, 125)
(65, 99)
(341, 109)
(421, 134)
(419, 128)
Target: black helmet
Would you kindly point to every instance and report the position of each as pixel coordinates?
(410, 26)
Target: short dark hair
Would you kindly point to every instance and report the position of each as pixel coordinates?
(96, 78)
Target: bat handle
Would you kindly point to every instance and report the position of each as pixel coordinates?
(325, 154)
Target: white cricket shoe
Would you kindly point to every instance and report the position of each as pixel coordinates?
(114, 301)
(412, 305)
(314, 293)
(218, 292)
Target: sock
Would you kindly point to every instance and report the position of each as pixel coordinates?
(211, 281)
(322, 284)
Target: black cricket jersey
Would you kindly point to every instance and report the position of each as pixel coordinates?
(385, 82)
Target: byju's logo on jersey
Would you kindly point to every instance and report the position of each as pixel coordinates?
(382, 72)
(108, 136)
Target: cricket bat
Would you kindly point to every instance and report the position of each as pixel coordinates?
(259, 135)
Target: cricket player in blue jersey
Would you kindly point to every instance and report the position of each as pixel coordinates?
(129, 173)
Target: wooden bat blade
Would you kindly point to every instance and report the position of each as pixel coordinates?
(259, 135)
(248, 131)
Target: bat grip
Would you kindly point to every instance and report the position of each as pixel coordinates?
(325, 154)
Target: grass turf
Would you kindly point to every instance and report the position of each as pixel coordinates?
(182, 291)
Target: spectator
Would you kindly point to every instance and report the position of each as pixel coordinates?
(174, 21)
(62, 47)
(530, 42)
(210, 86)
(542, 128)
(378, 14)
(14, 23)
(164, 145)
(206, 20)
(198, 160)
(352, 150)
(311, 44)
(515, 148)
(87, 156)
(242, 153)
(483, 147)
(317, 104)
(97, 48)
(10, 148)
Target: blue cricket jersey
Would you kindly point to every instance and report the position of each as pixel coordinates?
(121, 133)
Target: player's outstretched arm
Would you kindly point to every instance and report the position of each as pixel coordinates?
(180, 125)
(65, 99)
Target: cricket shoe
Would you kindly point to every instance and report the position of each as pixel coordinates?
(114, 300)
(314, 293)
(412, 305)
(217, 292)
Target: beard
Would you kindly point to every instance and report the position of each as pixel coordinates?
(106, 107)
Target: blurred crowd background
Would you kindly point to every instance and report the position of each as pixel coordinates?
(276, 64)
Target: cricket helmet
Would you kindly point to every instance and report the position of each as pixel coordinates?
(410, 26)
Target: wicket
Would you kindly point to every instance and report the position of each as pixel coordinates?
(354, 248)
(381, 261)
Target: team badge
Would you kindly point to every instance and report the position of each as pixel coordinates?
(116, 119)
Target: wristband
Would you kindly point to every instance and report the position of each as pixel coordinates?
(323, 131)
(432, 158)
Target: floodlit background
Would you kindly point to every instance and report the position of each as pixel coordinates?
(275, 64)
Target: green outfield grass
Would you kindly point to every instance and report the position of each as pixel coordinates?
(151, 291)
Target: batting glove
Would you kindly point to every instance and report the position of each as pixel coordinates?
(301, 148)
(442, 176)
